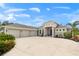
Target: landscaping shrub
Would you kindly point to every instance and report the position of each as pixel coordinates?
(67, 35)
(6, 46)
(6, 37)
(76, 33)
(76, 37)
(6, 43)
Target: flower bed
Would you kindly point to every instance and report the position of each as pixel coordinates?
(76, 38)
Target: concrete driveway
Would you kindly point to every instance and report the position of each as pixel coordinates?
(44, 46)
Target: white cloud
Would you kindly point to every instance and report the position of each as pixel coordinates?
(14, 10)
(2, 17)
(74, 20)
(48, 9)
(34, 22)
(38, 21)
(74, 17)
(70, 17)
(63, 7)
(76, 11)
(35, 9)
(23, 15)
(2, 5)
(9, 17)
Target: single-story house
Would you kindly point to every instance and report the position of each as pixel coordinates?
(49, 28)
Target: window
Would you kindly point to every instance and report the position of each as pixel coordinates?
(60, 29)
(56, 29)
(40, 31)
(63, 29)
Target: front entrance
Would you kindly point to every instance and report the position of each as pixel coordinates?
(48, 31)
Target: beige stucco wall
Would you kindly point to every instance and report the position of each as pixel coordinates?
(60, 32)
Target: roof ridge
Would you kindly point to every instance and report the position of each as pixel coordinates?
(20, 25)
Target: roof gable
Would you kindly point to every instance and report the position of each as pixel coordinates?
(50, 24)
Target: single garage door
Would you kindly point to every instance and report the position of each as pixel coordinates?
(33, 33)
(24, 33)
(13, 32)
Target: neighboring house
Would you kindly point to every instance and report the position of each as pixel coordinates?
(49, 28)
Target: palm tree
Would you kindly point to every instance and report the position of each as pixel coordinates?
(73, 26)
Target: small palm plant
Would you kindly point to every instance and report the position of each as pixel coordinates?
(73, 26)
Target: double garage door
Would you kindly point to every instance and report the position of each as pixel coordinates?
(21, 33)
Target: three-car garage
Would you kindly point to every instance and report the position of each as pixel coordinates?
(20, 30)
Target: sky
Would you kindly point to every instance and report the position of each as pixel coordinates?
(35, 14)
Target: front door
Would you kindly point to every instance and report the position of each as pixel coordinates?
(49, 31)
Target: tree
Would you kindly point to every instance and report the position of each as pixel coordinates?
(73, 25)
(6, 23)
(3, 24)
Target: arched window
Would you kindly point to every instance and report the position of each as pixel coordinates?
(63, 29)
(60, 29)
(56, 29)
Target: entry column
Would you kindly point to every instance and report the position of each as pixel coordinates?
(53, 33)
(45, 32)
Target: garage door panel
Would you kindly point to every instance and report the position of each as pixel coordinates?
(25, 33)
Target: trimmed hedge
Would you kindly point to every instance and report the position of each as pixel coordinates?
(67, 35)
(6, 43)
(77, 33)
(6, 37)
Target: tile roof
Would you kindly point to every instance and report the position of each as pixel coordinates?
(61, 26)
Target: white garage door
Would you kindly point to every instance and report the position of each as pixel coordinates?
(28, 33)
(25, 33)
(13, 32)
(33, 33)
